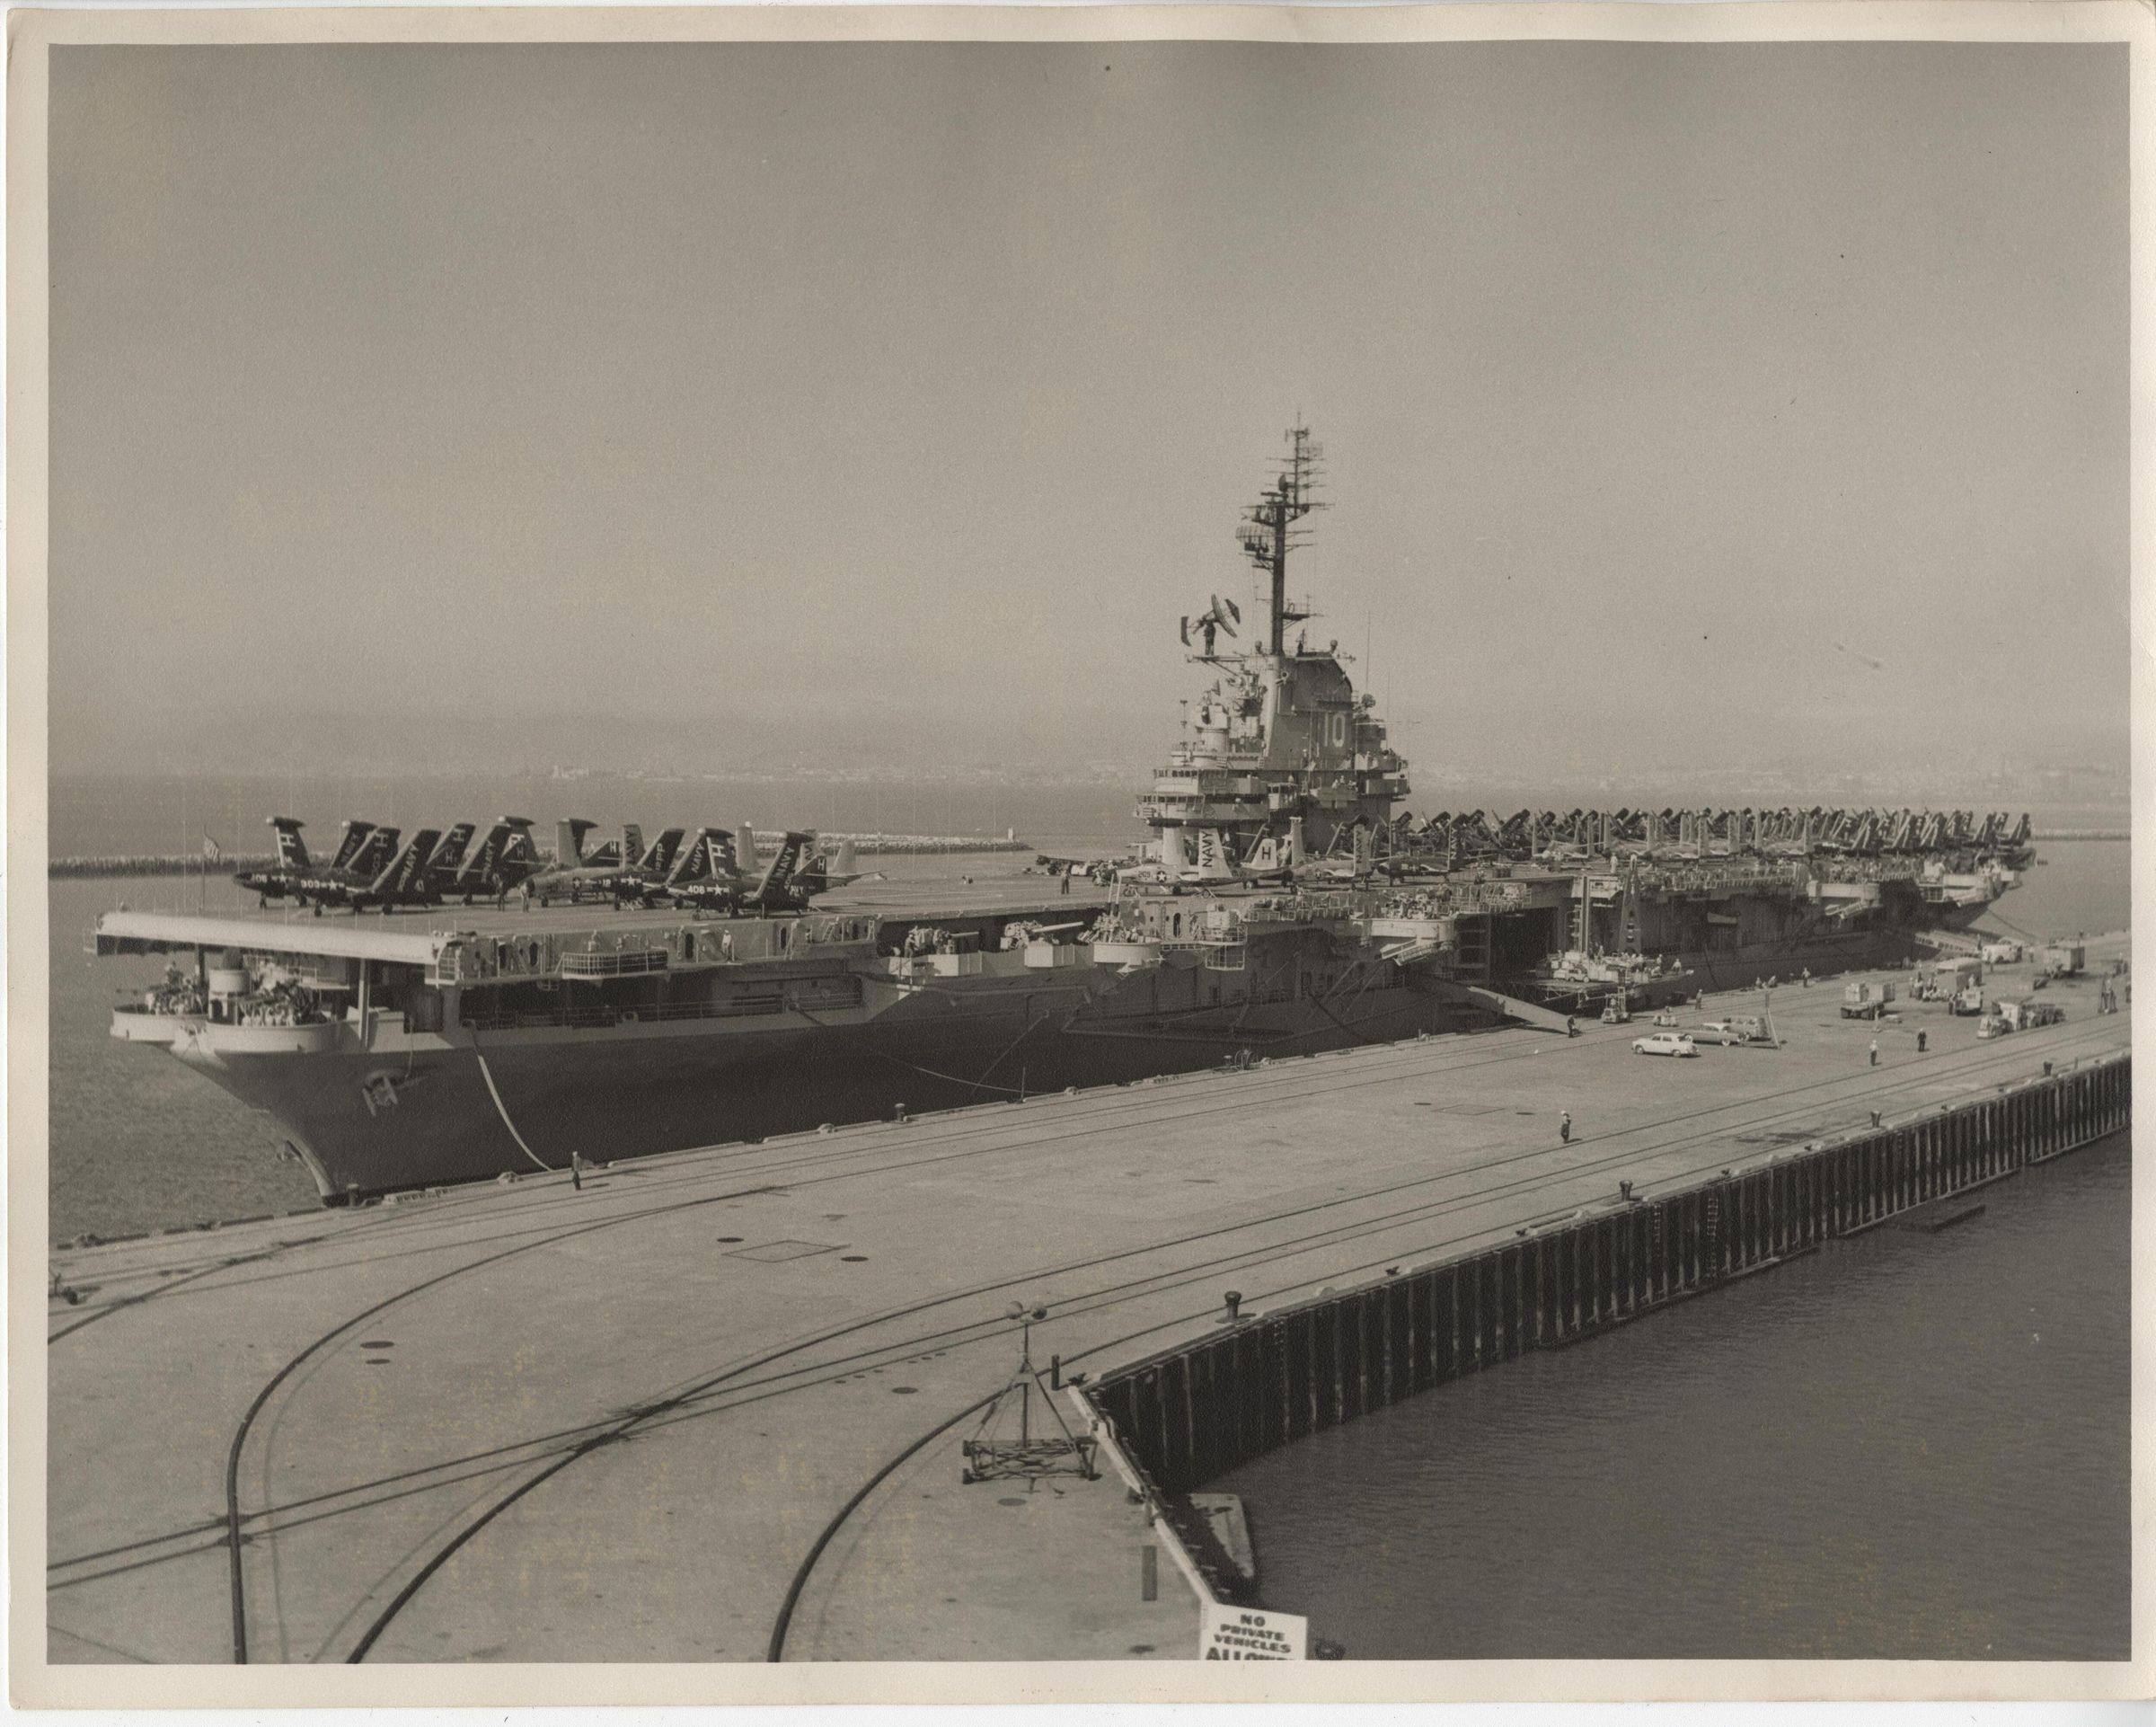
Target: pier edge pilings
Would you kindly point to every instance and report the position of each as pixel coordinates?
(1190, 1413)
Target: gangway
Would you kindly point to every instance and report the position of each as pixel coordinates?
(1471, 958)
(1512, 1008)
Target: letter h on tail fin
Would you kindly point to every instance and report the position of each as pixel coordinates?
(291, 849)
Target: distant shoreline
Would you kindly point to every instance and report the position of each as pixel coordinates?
(171, 863)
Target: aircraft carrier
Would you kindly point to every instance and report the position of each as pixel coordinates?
(1287, 906)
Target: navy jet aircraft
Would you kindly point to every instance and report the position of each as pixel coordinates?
(828, 870)
(504, 860)
(403, 882)
(448, 859)
(709, 876)
(614, 871)
(294, 864)
(363, 853)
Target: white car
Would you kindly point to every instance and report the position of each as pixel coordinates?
(1666, 1043)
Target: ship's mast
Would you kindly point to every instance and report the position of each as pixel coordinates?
(1268, 529)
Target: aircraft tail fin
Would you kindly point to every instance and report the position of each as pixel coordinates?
(569, 841)
(490, 848)
(376, 850)
(517, 847)
(632, 843)
(291, 849)
(780, 873)
(401, 874)
(347, 847)
(450, 854)
(508, 841)
(695, 863)
(843, 865)
(745, 848)
(660, 858)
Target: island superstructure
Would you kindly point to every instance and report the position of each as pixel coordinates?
(1286, 905)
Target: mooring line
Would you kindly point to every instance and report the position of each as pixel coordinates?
(487, 1074)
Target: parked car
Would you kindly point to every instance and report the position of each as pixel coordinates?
(1666, 1043)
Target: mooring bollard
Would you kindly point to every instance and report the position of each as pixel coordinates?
(1234, 1301)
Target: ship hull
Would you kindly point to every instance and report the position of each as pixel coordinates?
(364, 1126)
(480, 1104)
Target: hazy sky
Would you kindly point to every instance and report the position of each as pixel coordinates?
(1754, 400)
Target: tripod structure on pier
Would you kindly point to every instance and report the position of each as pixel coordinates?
(993, 1454)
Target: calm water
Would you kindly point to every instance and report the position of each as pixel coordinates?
(2076, 885)
(1906, 1445)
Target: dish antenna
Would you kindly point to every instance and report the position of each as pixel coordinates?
(1222, 615)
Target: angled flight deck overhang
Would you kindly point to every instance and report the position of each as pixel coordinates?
(167, 932)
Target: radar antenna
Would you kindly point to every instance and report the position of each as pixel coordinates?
(1268, 531)
(1223, 615)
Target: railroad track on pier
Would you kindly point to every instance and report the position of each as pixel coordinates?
(796, 1365)
(803, 1160)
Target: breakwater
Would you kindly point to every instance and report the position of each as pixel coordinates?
(1188, 1414)
(182, 864)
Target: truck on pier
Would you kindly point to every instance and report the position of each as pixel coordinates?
(1866, 1000)
(2061, 960)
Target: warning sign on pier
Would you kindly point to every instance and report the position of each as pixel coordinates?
(1233, 1634)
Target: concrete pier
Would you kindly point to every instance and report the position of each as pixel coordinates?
(709, 1407)
(1199, 1409)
